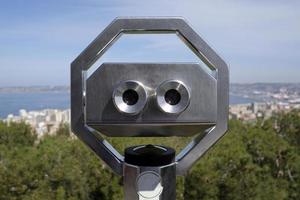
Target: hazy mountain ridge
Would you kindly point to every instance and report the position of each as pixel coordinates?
(272, 87)
(35, 89)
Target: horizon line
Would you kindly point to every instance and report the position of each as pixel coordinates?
(244, 83)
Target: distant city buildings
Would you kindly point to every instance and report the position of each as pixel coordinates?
(43, 121)
(48, 121)
(271, 98)
(252, 111)
(268, 98)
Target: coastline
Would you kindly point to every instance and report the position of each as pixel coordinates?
(13, 102)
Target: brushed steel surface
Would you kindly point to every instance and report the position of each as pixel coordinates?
(148, 130)
(100, 110)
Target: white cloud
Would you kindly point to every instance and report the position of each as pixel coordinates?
(245, 33)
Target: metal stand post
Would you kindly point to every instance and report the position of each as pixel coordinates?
(149, 173)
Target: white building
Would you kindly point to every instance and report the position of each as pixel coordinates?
(43, 121)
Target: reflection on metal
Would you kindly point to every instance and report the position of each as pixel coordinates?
(130, 97)
(149, 99)
(148, 185)
(150, 172)
(172, 97)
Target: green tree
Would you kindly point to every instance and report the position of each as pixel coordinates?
(253, 161)
(13, 134)
(63, 130)
(288, 126)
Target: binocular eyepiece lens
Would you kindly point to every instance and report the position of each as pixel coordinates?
(130, 97)
(172, 97)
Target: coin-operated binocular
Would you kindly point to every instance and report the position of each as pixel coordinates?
(153, 100)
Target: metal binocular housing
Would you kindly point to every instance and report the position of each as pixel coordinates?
(149, 99)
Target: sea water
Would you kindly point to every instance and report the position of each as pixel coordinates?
(11, 103)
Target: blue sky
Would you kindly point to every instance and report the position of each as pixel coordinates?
(260, 40)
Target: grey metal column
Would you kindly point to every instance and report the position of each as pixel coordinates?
(155, 183)
(149, 173)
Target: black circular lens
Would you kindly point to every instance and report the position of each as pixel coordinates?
(172, 97)
(130, 97)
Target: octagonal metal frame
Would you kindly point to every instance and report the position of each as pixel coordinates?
(200, 144)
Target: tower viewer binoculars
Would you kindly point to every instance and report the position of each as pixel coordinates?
(149, 100)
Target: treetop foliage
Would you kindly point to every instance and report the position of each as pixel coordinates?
(252, 161)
